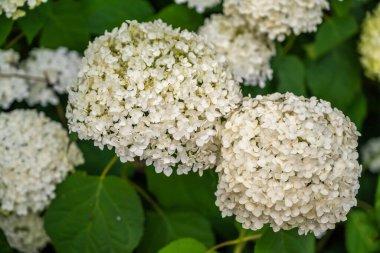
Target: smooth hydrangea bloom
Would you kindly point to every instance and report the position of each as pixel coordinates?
(247, 52)
(54, 70)
(371, 155)
(289, 162)
(12, 88)
(24, 233)
(12, 8)
(199, 5)
(279, 18)
(153, 92)
(369, 45)
(35, 155)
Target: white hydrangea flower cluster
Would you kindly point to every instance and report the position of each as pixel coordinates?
(371, 155)
(153, 92)
(58, 70)
(279, 18)
(199, 5)
(12, 8)
(369, 45)
(35, 156)
(11, 88)
(38, 79)
(247, 52)
(289, 162)
(24, 233)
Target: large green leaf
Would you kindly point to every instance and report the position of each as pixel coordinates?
(341, 8)
(94, 215)
(291, 75)
(32, 23)
(362, 236)
(190, 192)
(180, 16)
(186, 245)
(332, 33)
(285, 242)
(163, 229)
(335, 78)
(357, 109)
(66, 25)
(5, 28)
(4, 246)
(104, 15)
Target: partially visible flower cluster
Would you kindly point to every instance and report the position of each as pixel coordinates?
(58, 67)
(369, 45)
(247, 52)
(153, 92)
(12, 8)
(12, 88)
(289, 162)
(35, 156)
(38, 78)
(24, 233)
(200, 5)
(371, 155)
(279, 18)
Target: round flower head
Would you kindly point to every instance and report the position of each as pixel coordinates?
(12, 88)
(153, 92)
(52, 71)
(199, 5)
(247, 52)
(24, 233)
(371, 155)
(279, 18)
(369, 45)
(13, 8)
(289, 162)
(35, 156)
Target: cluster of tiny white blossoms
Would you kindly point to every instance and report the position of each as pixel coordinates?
(247, 52)
(24, 233)
(12, 8)
(279, 18)
(153, 92)
(200, 5)
(371, 155)
(39, 78)
(58, 69)
(289, 162)
(35, 156)
(11, 88)
(369, 45)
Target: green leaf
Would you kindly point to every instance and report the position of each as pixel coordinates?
(32, 23)
(186, 245)
(190, 192)
(335, 78)
(285, 242)
(377, 200)
(96, 215)
(331, 34)
(161, 230)
(105, 15)
(180, 16)
(66, 26)
(362, 235)
(4, 246)
(291, 74)
(357, 110)
(5, 28)
(341, 7)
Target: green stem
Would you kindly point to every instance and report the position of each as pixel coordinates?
(364, 205)
(241, 245)
(234, 242)
(14, 41)
(108, 167)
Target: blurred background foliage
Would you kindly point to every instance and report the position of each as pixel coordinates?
(324, 64)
